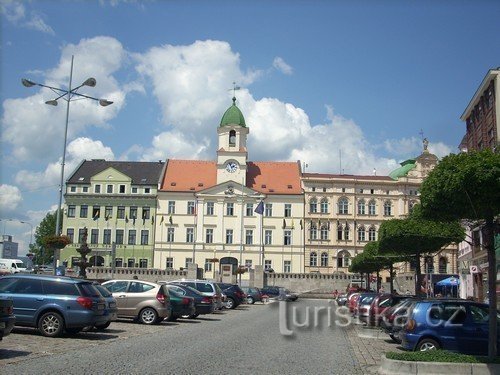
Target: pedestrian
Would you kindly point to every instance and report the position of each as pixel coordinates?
(335, 294)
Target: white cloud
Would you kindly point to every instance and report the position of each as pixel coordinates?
(15, 12)
(10, 198)
(77, 150)
(36, 22)
(36, 130)
(412, 147)
(282, 66)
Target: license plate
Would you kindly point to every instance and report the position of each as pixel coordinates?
(100, 306)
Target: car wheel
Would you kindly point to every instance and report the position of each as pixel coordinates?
(102, 327)
(250, 300)
(148, 315)
(427, 345)
(51, 324)
(394, 338)
(230, 303)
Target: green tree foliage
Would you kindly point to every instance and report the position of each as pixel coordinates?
(45, 229)
(467, 187)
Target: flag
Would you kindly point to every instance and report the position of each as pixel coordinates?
(106, 217)
(161, 220)
(96, 215)
(284, 223)
(293, 225)
(170, 219)
(152, 220)
(319, 224)
(301, 225)
(260, 208)
(126, 218)
(133, 220)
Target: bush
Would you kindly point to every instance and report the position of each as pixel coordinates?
(439, 356)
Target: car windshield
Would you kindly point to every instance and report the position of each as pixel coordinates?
(20, 265)
(88, 290)
(104, 292)
(367, 300)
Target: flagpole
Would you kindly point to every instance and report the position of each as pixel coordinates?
(161, 241)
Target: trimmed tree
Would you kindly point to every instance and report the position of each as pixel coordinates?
(467, 187)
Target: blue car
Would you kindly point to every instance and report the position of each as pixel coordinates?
(54, 304)
(456, 325)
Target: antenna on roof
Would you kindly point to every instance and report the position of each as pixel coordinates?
(234, 91)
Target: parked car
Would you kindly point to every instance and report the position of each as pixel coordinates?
(394, 318)
(279, 292)
(7, 317)
(180, 305)
(352, 301)
(342, 299)
(235, 296)
(142, 301)
(253, 294)
(111, 307)
(362, 310)
(13, 265)
(382, 302)
(203, 304)
(205, 287)
(450, 324)
(53, 304)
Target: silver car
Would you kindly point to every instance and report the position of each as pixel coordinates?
(143, 301)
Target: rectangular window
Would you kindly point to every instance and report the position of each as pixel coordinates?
(209, 235)
(122, 189)
(169, 263)
(146, 213)
(144, 237)
(147, 190)
(288, 237)
(268, 237)
(119, 237)
(96, 212)
(132, 237)
(249, 236)
(107, 237)
(268, 211)
(190, 208)
(119, 262)
(208, 265)
(190, 235)
(71, 210)
(210, 208)
(72, 189)
(288, 210)
(143, 263)
(97, 189)
(108, 212)
(171, 207)
(85, 189)
(70, 232)
(268, 264)
(248, 263)
(229, 236)
(133, 212)
(131, 262)
(188, 261)
(249, 209)
(94, 236)
(134, 190)
(120, 213)
(230, 209)
(170, 234)
(287, 266)
(339, 232)
(84, 210)
(81, 233)
(109, 189)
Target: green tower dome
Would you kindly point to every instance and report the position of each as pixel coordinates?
(233, 116)
(402, 171)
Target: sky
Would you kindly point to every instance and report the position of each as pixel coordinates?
(343, 86)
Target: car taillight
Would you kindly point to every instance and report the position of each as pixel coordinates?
(85, 302)
(185, 301)
(411, 325)
(160, 297)
(206, 300)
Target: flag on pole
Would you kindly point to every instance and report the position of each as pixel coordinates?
(161, 220)
(301, 225)
(284, 223)
(106, 217)
(260, 208)
(126, 218)
(170, 219)
(96, 215)
(293, 225)
(152, 220)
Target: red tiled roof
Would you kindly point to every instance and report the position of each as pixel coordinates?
(264, 177)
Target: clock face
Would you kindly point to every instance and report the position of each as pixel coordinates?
(231, 167)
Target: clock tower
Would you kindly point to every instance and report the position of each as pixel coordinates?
(232, 152)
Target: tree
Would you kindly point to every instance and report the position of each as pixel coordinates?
(45, 229)
(467, 187)
(415, 236)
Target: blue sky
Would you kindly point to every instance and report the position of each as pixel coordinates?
(316, 77)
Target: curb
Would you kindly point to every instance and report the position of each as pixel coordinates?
(395, 367)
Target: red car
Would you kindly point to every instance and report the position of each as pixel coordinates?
(380, 304)
(352, 302)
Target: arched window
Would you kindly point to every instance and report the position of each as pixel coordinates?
(313, 205)
(361, 234)
(343, 206)
(346, 232)
(429, 265)
(96, 261)
(339, 232)
(361, 207)
(372, 234)
(313, 232)
(443, 263)
(324, 259)
(232, 138)
(324, 206)
(324, 232)
(387, 208)
(411, 205)
(313, 259)
(371, 208)
(343, 259)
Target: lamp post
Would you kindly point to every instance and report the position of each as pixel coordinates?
(66, 95)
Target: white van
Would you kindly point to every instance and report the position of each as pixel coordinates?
(14, 265)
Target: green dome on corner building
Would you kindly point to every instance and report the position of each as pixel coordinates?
(402, 171)
(233, 116)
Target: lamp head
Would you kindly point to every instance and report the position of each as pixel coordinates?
(51, 102)
(27, 82)
(104, 102)
(89, 82)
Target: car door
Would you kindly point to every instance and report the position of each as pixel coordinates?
(138, 292)
(475, 330)
(119, 290)
(27, 297)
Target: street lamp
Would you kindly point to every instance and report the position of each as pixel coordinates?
(66, 95)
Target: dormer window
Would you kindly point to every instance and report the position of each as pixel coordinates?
(232, 138)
